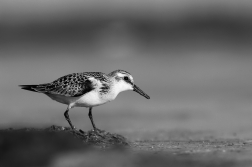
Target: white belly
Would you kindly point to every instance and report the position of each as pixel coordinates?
(63, 99)
(90, 99)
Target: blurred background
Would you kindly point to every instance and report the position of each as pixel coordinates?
(192, 57)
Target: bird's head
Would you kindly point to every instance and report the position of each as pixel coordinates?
(124, 81)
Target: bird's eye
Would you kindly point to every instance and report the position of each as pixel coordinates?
(126, 78)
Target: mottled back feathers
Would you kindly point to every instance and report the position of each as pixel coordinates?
(73, 85)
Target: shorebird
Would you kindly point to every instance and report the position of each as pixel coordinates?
(87, 89)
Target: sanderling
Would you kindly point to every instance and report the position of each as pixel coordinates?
(87, 89)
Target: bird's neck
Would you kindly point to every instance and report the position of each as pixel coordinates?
(119, 86)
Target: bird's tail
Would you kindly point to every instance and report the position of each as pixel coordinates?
(30, 87)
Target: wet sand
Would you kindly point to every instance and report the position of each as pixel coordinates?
(58, 146)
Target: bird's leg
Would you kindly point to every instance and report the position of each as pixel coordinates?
(68, 119)
(91, 118)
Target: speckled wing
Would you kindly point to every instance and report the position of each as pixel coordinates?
(71, 85)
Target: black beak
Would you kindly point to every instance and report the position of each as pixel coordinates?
(138, 90)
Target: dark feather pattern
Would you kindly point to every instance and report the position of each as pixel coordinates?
(104, 89)
(73, 85)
